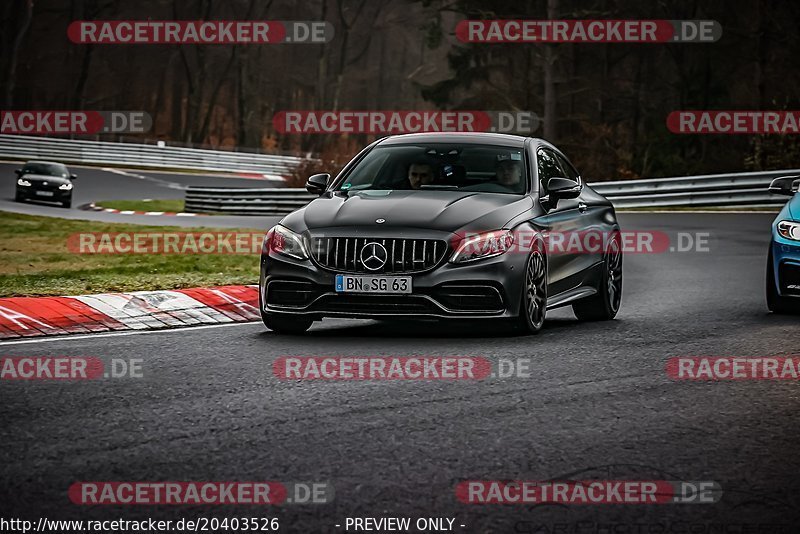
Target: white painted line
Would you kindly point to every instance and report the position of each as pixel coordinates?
(127, 212)
(676, 212)
(185, 214)
(78, 337)
(154, 213)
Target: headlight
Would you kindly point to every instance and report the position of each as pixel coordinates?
(283, 241)
(65, 187)
(480, 246)
(789, 230)
(23, 182)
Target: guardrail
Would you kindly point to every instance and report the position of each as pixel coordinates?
(245, 201)
(742, 189)
(74, 151)
(739, 189)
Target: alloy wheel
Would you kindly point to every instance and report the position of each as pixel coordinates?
(614, 274)
(536, 289)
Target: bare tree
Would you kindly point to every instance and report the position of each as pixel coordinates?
(550, 118)
(11, 72)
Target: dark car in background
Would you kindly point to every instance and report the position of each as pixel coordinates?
(443, 226)
(44, 181)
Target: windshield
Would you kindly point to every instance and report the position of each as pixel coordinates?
(46, 169)
(480, 168)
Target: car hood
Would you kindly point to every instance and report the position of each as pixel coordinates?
(45, 178)
(435, 210)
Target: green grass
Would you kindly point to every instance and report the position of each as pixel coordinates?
(173, 205)
(35, 260)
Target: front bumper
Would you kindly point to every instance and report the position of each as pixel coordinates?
(786, 266)
(485, 288)
(33, 193)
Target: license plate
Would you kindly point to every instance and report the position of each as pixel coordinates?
(44, 193)
(373, 284)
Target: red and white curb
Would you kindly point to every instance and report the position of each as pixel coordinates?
(95, 207)
(139, 310)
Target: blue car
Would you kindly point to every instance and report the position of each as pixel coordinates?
(783, 265)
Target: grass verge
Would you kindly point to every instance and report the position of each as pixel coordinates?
(35, 260)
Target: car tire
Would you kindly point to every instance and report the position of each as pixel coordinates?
(604, 305)
(18, 198)
(776, 303)
(67, 204)
(533, 301)
(286, 324)
(283, 323)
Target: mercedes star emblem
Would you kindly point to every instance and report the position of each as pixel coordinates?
(380, 221)
(373, 256)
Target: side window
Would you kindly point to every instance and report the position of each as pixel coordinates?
(569, 170)
(548, 168)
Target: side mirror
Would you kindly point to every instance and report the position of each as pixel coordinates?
(73, 176)
(785, 185)
(317, 183)
(559, 188)
(18, 172)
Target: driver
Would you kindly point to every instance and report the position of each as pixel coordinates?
(420, 174)
(509, 173)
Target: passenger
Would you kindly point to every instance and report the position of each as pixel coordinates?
(509, 173)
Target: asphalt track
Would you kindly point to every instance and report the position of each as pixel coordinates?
(598, 404)
(97, 184)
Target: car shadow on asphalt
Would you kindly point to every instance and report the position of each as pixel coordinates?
(429, 329)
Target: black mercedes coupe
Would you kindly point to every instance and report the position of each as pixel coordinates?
(448, 226)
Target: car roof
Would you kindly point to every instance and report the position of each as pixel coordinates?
(456, 137)
(44, 162)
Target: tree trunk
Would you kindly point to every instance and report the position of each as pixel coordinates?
(176, 103)
(11, 73)
(76, 102)
(550, 118)
(322, 68)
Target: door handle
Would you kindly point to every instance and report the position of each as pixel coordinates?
(582, 207)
